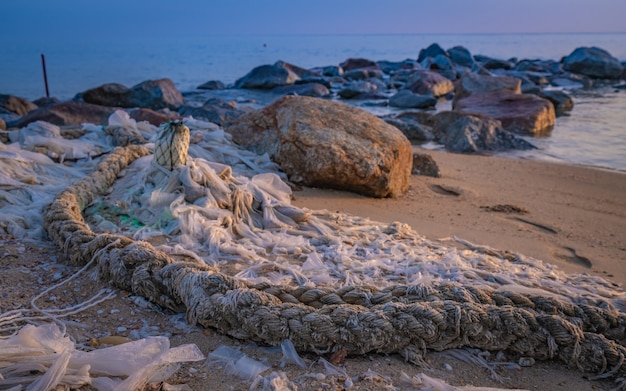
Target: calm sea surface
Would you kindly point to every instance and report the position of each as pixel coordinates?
(594, 134)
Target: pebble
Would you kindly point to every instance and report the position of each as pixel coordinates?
(121, 329)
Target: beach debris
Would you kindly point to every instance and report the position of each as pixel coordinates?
(42, 357)
(290, 355)
(526, 361)
(172, 145)
(237, 363)
(425, 382)
(275, 381)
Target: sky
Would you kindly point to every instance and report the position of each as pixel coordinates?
(124, 18)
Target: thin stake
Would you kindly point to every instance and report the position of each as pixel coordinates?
(45, 75)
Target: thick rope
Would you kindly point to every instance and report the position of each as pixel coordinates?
(403, 319)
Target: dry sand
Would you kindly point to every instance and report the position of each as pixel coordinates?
(574, 217)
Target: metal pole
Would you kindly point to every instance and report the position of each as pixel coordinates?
(45, 75)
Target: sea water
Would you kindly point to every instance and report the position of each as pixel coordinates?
(593, 134)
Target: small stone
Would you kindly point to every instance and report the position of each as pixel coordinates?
(526, 361)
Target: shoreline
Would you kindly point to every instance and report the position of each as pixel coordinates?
(574, 216)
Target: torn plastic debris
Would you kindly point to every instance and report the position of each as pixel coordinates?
(123, 367)
(424, 382)
(237, 363)
(290, 355)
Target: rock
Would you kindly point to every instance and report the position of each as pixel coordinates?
(3, 125)
(416, 131)
(358, 89)
(391, 67)
(525, 114)
(356, 63)
(430, 83)
(363, 74)
(151, 94)
(153, 117)
(408, 99)
(424, 164)
(440, 64)
(593, 62)
(461, 56)
(494, 63)
(45, 102)
(469, 133)
(15, 104)
(328, 144)
(432, 51)
(212, 85)
(562, 102)
(472, 83)
(330, 70)
(306, 89)
(301, 72)
(110, 94)
(67, 113)
(267, 77)
(214, 110)
(156, 95)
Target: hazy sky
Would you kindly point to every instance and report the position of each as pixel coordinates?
(124, 18)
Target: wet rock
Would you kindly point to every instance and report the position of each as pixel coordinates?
(3, 125)
(45, 102)
(411, 126)
(524, 114)
(408, 99)
(494, 63)
(562, 101)
(151, 94)
(391, 67)
(153, 117)
(461, 56)
(593, 62)
(307, 89)
(469, 133)
(356, 63)
(431, 51)
(110, 94)
(156, 95)
(15, 104)
(328, 144)
(267, 77)
(358, 90)
(212, 85)
(473, 83)
(214, 110)
(429, 83)
(363, 74)
(440, 64)
(66, 113)
(425, 165)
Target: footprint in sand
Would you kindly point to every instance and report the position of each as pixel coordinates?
(569, 255)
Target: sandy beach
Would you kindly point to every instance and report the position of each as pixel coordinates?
(570, 216)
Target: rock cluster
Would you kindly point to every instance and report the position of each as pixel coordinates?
(321, 142)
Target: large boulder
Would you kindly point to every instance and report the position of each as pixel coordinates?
(66, 113)
(432, 51)
(15, 104)
(593, 62)
(156, 95)
(461, 56)
(329, 144)
(469, 133)
(267, 77)
(429, 83)
(110, 94)
(473, 83)
(150, 94)
(562, 101)
(524, 114)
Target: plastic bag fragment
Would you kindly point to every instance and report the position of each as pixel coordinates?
(237, 363)
(290, 355)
